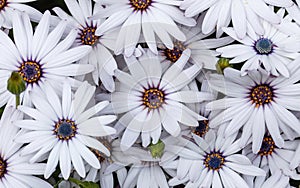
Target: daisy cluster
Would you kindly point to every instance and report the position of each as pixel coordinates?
(150, 94)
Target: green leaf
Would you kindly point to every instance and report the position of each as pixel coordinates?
(84, 184)
(89, 184)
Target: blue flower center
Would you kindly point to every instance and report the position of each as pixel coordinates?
(65, 129)
(214, 161)
(153, 98)
(202, 128)
(267, 147)
(264, 46)
(30, 71)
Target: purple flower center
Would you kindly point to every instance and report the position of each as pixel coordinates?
(30, 71)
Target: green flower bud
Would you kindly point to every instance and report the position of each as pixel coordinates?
(15, 84)
(222, 64)
(157, 150)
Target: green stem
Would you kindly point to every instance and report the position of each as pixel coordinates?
(17, 100)
(56, 185)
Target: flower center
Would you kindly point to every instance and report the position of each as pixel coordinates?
(214, 161)
(101, 156)
(202, 128)
(30, 71)
(153, 98)
(174, 54)
(261, 94)
(267, 146)
(65, 129)
(3, 4)
(3, 167)
(263, 46)
(140, 4)
(88, 37)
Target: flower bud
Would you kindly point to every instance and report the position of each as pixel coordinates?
(222, 64)
(15, 84)
(157, 150)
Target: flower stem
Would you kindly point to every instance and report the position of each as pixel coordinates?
(17, 100)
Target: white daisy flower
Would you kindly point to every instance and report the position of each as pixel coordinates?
(8, 7)
(272, 159)
(216, 159)
(203, 126)
(152, 99)
(100, 57)
(63, 129)
(274, 50)
(240, 12)
(202, 48)
(40, 56)
(257, 103)
(15, 170)
(143, 16)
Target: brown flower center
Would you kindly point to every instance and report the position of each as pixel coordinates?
(3, 167)
(261, 94)
(101, 156)
(202, 128)
(174, 54)
(140, 4)
(267, 146)
(88, 37)
(3, 4)
(153, 98)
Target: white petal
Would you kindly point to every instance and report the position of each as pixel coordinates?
(65, 160)
(76, 160)
(86, 154)
(91, 111)
(246, 169)
(52, 160)
(93, 143)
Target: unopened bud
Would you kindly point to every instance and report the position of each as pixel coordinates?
(15, 84)
(157, 150)
(222, 64)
